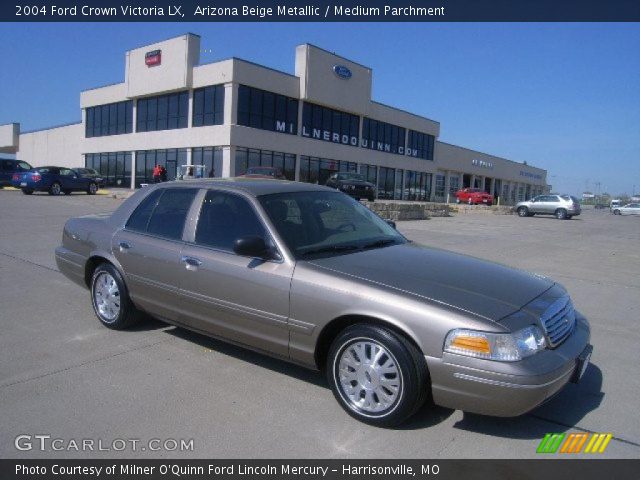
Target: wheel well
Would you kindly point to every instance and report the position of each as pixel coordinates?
(337, 325)
(90, 267)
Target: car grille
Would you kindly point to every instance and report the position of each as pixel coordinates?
(559, 320)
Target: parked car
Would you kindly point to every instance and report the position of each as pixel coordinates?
(91, 173)
(628, 209)
(263, 172)
(307, 274)
(9, 167)
(55, 180)
(353, 184)
(561, 206)
(474, 196)
(615, 203)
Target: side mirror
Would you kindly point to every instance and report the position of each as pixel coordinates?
(391, 223)
(252, 246)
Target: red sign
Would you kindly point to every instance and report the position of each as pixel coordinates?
(153, 58)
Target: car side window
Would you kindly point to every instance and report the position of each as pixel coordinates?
(66, 172)
(23, 166)
(163, 212)
(224, 218)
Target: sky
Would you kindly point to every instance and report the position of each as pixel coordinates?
(563, 97)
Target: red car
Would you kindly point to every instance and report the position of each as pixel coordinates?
(474, 196)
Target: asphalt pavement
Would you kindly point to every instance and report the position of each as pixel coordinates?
(65, 376)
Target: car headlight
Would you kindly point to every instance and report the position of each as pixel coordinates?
(503, 347)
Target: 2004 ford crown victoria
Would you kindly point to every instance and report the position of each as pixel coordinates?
(308, 274)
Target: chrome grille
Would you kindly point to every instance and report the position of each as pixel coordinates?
(558, 321)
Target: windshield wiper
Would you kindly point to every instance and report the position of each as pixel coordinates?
(332, 249)
(380, 243)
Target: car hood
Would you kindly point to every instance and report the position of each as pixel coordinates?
(484, 288)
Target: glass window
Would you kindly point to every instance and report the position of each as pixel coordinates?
(169, 215)
(208, 106)
(164, 112)
(383, 136)
(224, 218)
(323, 123)
(420, 145)
(246, 158)
(267, 111)
(140, 217)
(110, 119)
(386, 183)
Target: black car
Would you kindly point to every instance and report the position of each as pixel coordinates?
(54, 180)
(93, 174)
(8, 167)
(352, 184)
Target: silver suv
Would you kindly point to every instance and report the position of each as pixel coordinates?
(562, 206)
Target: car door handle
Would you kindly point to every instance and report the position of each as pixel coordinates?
(124, 246)
(191, 263)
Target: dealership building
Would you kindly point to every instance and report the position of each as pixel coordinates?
(233, 114)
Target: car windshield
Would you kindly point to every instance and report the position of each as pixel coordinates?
(314, 224)
(350, 176)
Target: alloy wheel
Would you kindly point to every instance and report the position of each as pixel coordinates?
(106, 297)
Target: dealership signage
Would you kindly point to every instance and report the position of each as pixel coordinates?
(335, 137)
(153, 58)
(285, 127)
(482, 163)
(342, 72)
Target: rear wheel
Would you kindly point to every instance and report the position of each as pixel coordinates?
(26, 191)
(93, 189)
(110, 298)
(561, 214)
(377, 376)
(55, 189)
(523, 211)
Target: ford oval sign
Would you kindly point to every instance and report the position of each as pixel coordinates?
(342, 71)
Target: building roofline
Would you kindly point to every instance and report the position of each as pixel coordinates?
(334, 53)
(490, 155)
(406, 111)
(52, 127)
(262, 66)
(101, 86)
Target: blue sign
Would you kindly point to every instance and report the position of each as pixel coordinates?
(342, 71)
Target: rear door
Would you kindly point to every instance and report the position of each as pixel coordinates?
(149, 249)
(243, 299)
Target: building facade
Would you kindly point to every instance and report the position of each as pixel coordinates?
(234, 114)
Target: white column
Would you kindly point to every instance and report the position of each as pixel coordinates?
(189, 156)
(228, 161)
(190, 110)
(447, 185)
(472, 184)
(133, 167)
(492, 186)
(230, 103)
(297, 169)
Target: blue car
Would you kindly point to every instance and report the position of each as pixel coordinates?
(9, 167)
(54, 180)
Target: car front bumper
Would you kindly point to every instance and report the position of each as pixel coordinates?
(508, 389)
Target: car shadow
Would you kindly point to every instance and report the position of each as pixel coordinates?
(562, 412)
(241, 353)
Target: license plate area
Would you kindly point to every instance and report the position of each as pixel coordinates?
(582, 362)
(23, 184)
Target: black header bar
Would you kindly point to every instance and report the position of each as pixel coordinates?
(320, 11)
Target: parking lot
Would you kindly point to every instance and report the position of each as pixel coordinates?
(63, 374)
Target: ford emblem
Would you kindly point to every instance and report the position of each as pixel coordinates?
(342, 71)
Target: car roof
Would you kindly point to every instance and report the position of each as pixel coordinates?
(252, 186)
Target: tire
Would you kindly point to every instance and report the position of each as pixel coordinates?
(55, 189)
(92, 189)
(561, 214)
(523, 212)
(616, 212)
(26, 191)
(110, 298)
(407, 387)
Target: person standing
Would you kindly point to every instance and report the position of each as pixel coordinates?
(163, 173)
(156, 174)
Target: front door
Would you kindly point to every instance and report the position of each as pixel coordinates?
(149, 249)
(245, 300)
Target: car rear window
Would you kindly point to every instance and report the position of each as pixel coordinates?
(163, 212)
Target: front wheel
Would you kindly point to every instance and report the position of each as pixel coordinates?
(377, 376)
(470, 202)
(616, 212)
(523, 212)
(93, 189)
(110, 298)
